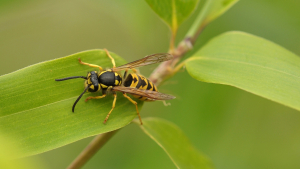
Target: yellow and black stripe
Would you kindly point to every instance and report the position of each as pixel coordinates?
(139, 82)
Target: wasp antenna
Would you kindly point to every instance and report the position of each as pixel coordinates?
(73, 77)
(79, 98)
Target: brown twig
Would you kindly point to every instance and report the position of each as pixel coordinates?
(167, 69)
(91, 149)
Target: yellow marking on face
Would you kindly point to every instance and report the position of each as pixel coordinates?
(89, 81)
(116, 74)
(85, 84)
(116, 82)
(88, 78)
(92, 87)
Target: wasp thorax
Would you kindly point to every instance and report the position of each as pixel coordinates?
(92, 81)
(109, 78)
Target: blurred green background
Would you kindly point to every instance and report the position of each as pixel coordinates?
(234, 128)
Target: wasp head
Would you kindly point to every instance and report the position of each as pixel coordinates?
(92, 82)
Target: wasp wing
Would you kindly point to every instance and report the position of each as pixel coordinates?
(148, 60)
(153, 95)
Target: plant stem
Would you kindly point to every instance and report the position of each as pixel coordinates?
(167, 69)
(199, 21)
(91, 149)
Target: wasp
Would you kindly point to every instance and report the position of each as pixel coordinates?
(110, 80)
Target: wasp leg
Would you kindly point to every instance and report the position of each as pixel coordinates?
(135, 103)
(125, 74)
(112, 59)
(97, 97)
(113, 106)
(134, 70)
(90, 65)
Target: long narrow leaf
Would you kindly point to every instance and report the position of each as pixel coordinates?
(250, 63)
(37, 110)
(175, 143)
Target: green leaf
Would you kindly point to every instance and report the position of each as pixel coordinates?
(9, 152)
(173, 12)
(250, 63)
(175, 143)
(211, 10)
(36, 110)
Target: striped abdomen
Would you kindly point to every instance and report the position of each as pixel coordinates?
(139, 82)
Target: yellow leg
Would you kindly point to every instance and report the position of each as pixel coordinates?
(135, 70)
(112, 59)
(113, 106)
(97, 97)
(90, 65)
(135, 103)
